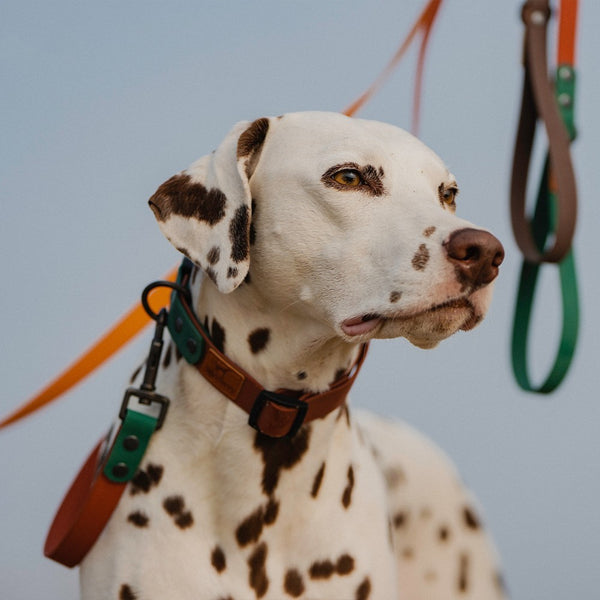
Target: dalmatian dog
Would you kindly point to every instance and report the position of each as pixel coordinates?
(311, 234)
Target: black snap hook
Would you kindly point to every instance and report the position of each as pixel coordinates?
(156, 284)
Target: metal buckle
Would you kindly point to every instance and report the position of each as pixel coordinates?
(148, 403)
(279, 400)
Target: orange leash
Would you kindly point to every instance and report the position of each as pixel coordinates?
(136, 319)
(424, 24)
(122, 332)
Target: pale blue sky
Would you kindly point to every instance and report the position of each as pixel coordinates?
(103, 101)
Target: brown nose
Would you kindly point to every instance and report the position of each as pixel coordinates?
(476, 254)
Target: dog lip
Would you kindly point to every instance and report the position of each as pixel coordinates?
(362, 324)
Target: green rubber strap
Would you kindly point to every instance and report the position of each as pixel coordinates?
(543, 223)
(130, 446)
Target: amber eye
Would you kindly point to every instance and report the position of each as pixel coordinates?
(448, 195)
(349, 177)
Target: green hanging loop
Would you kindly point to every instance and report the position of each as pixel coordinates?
(543, 224)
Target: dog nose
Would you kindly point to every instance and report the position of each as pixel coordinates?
(476, 254)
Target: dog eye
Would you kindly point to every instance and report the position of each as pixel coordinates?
(349, 177)
(448, 195)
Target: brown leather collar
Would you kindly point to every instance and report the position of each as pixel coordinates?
(276, 414)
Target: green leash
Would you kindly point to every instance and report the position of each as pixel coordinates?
(543, 224)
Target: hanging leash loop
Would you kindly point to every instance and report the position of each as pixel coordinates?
(538, 102)
(554, 198)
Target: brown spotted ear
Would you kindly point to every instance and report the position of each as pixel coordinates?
(205, 211)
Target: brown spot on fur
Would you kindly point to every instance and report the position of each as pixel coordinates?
(344, 565)
(217, 335)
(279, 454)
(195, 271)
(463, 568)
(408, 553)
(142, 481)
(471, 520)
(253, 137)
(347, 495)
(252, 237)
(321, 569)
(318, 480)
(174, 505)
(339, 374)
(293, 583)
(167, 357)
(421, 258)
(443, 533)
(400, 519)
(211, 274)
(430, 576)
(136, 373)
(271, 512)
(395, 296)
(138, 518)
(250, 528)
(239, 232)
(180, 196)
(394, 477)
(126, 593)
(184, 520)
(258, 339)
(429, 231)
(232, 272)
(213, 255)
(258, 579)
(363, 591)
(218, 560)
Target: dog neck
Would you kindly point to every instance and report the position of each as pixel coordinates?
(279, 348)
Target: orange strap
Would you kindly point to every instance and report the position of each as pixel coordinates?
(567, 27)
(83, 513)
(121, 333)
(424, 23)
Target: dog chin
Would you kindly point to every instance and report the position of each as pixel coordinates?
(426, 330)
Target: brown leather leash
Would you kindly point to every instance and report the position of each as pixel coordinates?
(538, 102)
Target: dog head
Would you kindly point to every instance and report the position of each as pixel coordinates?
(347, 222)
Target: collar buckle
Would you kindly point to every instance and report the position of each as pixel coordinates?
(279, 410)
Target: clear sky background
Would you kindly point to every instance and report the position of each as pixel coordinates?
(102, 101)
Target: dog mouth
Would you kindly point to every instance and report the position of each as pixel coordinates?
(369, 322)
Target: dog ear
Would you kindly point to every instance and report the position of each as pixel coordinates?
(205, 211)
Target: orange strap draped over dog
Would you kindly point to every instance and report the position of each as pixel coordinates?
(136, 319)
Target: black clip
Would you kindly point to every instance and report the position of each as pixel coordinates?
(146, 395)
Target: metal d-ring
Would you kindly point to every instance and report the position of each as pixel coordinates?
(156, 284)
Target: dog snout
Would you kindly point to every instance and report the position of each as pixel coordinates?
(476, 255)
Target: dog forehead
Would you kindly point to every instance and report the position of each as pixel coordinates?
(323, 139)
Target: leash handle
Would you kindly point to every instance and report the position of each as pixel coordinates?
(538, 101)
(546, 219)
